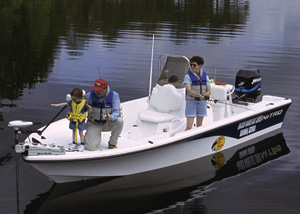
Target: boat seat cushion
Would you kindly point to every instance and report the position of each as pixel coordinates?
(156, 117)
(166, 98)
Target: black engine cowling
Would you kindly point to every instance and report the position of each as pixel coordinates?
(248, 85)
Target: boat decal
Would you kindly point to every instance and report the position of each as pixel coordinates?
(218, 144)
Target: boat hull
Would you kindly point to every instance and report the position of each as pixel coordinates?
(177, 149)
(190, 179)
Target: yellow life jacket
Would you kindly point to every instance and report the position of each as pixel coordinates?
(77, 112)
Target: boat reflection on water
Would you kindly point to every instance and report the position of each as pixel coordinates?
(178, 189)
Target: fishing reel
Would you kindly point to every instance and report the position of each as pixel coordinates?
(205, 98)
(104, 116)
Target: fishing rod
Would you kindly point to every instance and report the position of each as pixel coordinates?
(99, 73)
(239, 105)
(104, 102)
(213, 92)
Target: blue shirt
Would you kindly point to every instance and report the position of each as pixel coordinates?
(116, 109)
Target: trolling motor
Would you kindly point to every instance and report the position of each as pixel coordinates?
(19, 128)
(38, 148)
(19, 125)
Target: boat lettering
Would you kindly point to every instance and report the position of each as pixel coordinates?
(247, 130)
(256, 80)
(243, 132)
(258, 119)
(248, 126)
(250, 122)
(273, 114)
(252, 129)
(43, 153)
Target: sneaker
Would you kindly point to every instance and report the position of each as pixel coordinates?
(80, 148)
(72, 146)
(110, 146)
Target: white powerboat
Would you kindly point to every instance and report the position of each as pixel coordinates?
(154, 135)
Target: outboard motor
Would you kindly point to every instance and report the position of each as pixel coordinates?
(248, 85)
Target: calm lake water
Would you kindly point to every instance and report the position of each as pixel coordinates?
(50, 47)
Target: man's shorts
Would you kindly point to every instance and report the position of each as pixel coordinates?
(196, 108)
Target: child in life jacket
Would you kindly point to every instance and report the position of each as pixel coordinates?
(76, 116)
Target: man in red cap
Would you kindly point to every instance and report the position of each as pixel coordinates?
(105, 115)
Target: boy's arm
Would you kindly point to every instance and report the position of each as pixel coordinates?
(89, 108)
(59, 104)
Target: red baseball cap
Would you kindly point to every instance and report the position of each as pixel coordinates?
(100, 84)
